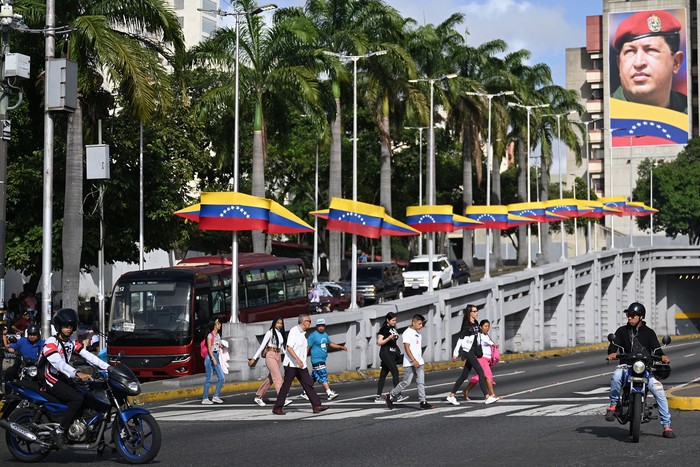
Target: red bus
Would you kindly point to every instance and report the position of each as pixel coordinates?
(158, 317)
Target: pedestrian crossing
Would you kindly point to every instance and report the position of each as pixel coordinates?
(193, 412)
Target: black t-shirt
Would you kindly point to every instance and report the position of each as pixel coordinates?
(386, 331)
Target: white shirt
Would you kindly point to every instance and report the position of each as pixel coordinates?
(414, 340)
(486, 345)
(297, 341)
(267, 342)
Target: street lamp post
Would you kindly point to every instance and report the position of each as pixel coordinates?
(529, 150)
(489, 170)
(588, 177)
(631, 137)
(561, 193)
(651, 202)
(234, 241)
(420, 175)
(354, 59)
(316, 220)
(575, 219)
(431, 169)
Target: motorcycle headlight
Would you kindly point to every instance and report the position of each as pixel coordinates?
(31, 371)
(638, 367)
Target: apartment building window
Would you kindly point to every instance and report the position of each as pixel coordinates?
(208, 26)
(209, 5)
(179, 4)
(181, 21)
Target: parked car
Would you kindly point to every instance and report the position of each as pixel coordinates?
(377, 282)
(460, 272)
(334, 297)
(417, 275)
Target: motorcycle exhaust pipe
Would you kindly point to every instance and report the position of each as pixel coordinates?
(19, 430)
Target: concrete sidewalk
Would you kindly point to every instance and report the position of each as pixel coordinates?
(685, 398)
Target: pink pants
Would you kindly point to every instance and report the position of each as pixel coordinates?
(273, 361)
(487, 371)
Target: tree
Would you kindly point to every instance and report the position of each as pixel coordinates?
(676, 188)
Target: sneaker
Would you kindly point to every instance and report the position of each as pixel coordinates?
(426, 406)
(259, 401)
(668, 432)
(287, 402)
(332, 395)
(491, 400)
(453, 400)
(610, 414)
(379, 400)
(389, 401)
(401, 398)
(59, 438)
(206, 402)
(304, 396)
(217, 400)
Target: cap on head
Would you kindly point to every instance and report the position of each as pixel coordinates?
(646, 24)
(320, 322)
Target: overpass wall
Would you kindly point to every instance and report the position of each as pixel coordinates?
(573, 302)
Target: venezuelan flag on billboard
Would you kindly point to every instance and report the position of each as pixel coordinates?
(233, 211)
(355, 217)
(430, 218)
(190, 212)
(282, 220)
(532, 210)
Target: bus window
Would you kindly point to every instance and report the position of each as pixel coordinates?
(254, 275)
(276, 291)
(294, 271)
(276, 274)
(202, 308)
(296, 288)
(218, 302)
(257, 295)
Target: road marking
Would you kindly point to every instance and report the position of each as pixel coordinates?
(495, 410)
(603, 390)
(689, 355)
(548, 410)
(553, 399)
(571, 364)
(418, 413)
(512, 373)
(560, 383)
(335, 415)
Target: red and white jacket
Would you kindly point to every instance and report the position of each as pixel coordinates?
(58, 354)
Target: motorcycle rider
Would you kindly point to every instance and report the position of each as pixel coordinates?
(28, 347)
(633, 337)
(57, 372)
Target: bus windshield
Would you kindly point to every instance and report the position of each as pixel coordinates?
(151, 312)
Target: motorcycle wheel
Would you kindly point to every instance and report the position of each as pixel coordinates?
(137, 442)
(636, 404)
(20, 449)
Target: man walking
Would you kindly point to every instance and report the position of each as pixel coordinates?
(295, 367)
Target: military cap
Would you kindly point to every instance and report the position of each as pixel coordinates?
(646, 24)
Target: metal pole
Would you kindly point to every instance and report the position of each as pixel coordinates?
(588, 187)
(575, 223)
(316, 221)
(561, 193)
(431, 188)
(529, 229)
(353, 256)
(140, 196)
(3, 165)
(101, 256)
(487, 265)
(420, 182)
(651, 204)
(47, 221)
(234, 240)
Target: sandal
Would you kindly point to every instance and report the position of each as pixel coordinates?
(465, 395)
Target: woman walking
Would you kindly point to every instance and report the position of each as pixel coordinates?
(271, 349)
(211, 364)
(389, 354)
(469, 342)
(487, 346)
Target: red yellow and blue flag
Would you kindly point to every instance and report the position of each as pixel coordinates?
(430, 218)
(355, 217)
(190, 212)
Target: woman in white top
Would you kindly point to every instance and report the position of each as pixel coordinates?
(271, 348)
(487, 345)
(211, 364)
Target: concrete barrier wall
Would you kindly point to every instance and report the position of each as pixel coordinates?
(574, 302)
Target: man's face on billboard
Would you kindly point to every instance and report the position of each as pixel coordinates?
(646, 69)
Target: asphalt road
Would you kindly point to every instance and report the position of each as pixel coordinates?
(551, 414)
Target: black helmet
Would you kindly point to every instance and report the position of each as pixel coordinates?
(34, 329)
(65, 317)
(636, 308)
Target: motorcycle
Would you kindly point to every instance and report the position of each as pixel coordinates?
(632, 406)
(29, 416)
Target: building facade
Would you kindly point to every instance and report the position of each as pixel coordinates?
(196, 25)
(622, 132)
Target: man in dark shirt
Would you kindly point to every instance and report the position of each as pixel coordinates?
(633, 337)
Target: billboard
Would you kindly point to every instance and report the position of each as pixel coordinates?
(648, 78)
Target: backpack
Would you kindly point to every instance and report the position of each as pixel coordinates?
(203, 350)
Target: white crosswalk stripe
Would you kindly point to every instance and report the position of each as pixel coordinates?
(515, 408)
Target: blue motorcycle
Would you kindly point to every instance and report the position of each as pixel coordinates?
(29, 416)
(632, 406)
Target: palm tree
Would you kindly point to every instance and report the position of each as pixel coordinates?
(122, 42)
(278, 72)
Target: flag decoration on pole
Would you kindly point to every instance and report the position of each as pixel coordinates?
(190, 212)
(638, 209)
(364, 219)
(429, 218)
(393, 227)
(597, 209)
(321, 213)
(567, 207)
(533, 210)
(463, 222)
(615, 202)
(495, 217)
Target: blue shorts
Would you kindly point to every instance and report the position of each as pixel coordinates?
(319, 372)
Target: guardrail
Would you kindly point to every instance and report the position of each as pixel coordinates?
(564, 304)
